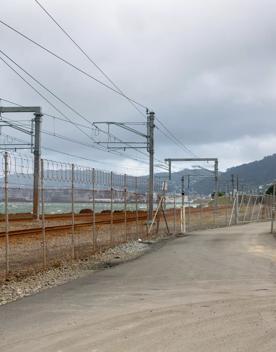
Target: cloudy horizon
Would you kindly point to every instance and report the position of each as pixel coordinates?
(206, 68)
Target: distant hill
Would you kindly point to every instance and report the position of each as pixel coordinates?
(251, 176)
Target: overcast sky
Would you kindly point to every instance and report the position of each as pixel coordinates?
(206, 67)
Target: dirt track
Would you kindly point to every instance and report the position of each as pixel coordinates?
(212, 291)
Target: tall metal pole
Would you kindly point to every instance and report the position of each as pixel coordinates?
(111, 209)
(94, 209)
(73, 212)
(233, 185)
(183, 220)
(216, 188)
(125, 205)
(37, 171)
(216, 181)
(43, 215)
(136, 205)
(273, 207)
(182, 190)
(189, 204)
(6, 200)
(150, 134)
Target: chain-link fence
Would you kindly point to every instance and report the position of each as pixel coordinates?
(84, 211)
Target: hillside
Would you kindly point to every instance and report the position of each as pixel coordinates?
(251, 176)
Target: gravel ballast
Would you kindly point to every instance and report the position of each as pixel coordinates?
(19, 288)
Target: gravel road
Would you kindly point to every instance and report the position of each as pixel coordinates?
(211, 291)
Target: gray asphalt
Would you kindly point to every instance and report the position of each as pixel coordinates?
(211, 291)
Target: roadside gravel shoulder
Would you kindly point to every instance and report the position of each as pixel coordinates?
(19, 288)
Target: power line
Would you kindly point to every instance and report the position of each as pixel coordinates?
(87, 56)
(92, 146)
(59, 99)
(173, 138)
(41, 95)
(72, 65)
(67, 154)
(89, 145)
(44, 87)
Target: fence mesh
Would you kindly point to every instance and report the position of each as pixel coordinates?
(84, 211)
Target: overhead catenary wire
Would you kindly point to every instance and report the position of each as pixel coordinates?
(170, 135)
(68, 154)
(173, 138)
(70, 64)
(87, 56)
(89, 145)
(59, 99)
(43, 86)
(72, 140)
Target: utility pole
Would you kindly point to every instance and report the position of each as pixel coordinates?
(150, 124)
(183, 215)
(216, 182)
(233, 184)
(182, 191)
(36, 148)
(147, 144)
(37, 164)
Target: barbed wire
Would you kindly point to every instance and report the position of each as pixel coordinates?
(21, 166)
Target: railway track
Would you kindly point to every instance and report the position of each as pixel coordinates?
(101, 219)
(86, 220)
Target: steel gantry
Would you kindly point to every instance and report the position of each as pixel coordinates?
(35, 144)
(215, 160)
(148, 144)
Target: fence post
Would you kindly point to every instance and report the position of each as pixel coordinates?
(73, 212)
(174, 213)
(93, 206)
(254, 205)
(183, 219)
(136, 206)
(6, 196)
(200, 214)
(241, 203)
(237, 208)
(43, 213)
(273, 208)
(226, 212)
(189, 205)
(125, 205)
(111, 209)
(246, 209)
(232, 211)
(260, 208)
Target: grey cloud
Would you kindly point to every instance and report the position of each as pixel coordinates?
(206, 67)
